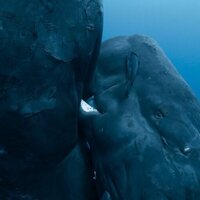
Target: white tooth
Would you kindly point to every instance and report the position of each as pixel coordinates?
(86, 107)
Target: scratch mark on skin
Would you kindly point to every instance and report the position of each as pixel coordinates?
(132, 66)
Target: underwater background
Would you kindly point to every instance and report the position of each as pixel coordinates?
(174, 24)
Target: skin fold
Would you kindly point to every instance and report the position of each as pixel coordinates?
(48, 51)
(143, 126)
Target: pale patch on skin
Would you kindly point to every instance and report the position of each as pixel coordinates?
(87, 108)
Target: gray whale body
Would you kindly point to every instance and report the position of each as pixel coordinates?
(144, 133)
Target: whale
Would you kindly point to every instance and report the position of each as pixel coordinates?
(48, 51)
(142, 123)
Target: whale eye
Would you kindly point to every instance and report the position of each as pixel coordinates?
(159, 114)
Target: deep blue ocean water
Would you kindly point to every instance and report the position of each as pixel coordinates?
(174, 24)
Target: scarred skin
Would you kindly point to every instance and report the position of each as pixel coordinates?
(48, 52)
(144, 135)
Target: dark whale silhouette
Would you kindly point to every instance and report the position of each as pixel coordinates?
(48, 51)
(143, 126)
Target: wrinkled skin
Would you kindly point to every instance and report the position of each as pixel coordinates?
(48, 52)
(144, 134)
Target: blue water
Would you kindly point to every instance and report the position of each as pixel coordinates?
(175, 24)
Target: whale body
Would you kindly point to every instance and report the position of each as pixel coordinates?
(145, 134)
(48, 51)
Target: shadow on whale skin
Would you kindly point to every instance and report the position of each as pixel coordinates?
(144, 129)
(48, 51)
